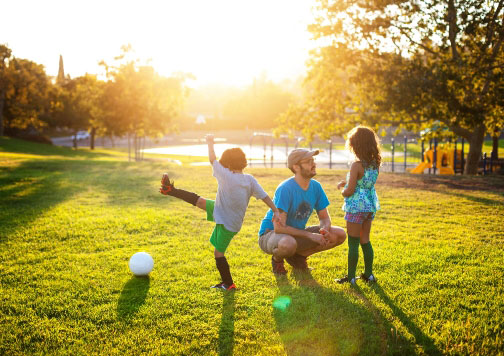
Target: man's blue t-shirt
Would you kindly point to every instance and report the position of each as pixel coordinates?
(297, 203)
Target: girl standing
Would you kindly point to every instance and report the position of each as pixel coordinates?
(361, 201)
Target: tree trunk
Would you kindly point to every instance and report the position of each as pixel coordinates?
(92, 140)
(2, 101)
(475, 149)
(75, 140)
(495, 145)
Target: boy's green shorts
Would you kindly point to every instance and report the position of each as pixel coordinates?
(221, 237)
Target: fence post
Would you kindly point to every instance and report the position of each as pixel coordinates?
(250, 158)
(463, 158)
(330, 153)
(271, 160)
(491, 162)
(393, 147)
(423, 151)
(264, 151)
(455, 157)
(430, 148)
(434, 158)
(405, 152)
(286, 151)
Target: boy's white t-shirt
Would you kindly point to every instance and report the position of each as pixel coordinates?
(233, 195)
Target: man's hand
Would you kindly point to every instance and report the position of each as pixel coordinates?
(318, 238)
(277, 218)
(341, 184)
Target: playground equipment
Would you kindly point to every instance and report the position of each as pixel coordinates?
(446, 161)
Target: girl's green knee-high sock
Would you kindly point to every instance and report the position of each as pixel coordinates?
(367, 249)
(353, 256)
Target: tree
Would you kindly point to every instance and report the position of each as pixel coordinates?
(257, 106)
(139, 102)
(413, 62)
(79, 104)
(26, 99)
(5, 55)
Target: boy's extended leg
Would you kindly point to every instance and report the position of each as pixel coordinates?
(167, 188)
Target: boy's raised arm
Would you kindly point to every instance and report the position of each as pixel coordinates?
(211, 152)
(276, 213)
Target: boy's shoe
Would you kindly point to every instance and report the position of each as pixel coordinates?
(298, 262)
(166, 185)
(165, 180)
(345, 280)
(224, 286)
(278, 267)
(370, 279)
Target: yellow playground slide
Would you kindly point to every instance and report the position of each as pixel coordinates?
(444, 161)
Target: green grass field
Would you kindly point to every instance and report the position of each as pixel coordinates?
(70, 220)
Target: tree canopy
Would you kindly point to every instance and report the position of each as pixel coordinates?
(407, 63)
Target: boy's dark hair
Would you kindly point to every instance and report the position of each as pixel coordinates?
(234, 159)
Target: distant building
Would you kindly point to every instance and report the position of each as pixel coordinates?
(61, 72)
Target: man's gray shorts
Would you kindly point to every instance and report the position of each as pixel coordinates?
(269, 240)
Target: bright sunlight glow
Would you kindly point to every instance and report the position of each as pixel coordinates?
(223, 41)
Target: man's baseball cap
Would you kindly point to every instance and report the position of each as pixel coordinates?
(300, 154)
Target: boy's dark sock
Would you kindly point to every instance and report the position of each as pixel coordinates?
(367, 249)
(190, 197)
(353, 255)
(223, 267)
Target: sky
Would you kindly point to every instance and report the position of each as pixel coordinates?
(227, 42)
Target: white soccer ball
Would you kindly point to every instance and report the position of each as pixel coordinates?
(141, 263)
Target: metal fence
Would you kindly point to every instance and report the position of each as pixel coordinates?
(400, 154)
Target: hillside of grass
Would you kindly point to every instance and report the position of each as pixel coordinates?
(71, 219)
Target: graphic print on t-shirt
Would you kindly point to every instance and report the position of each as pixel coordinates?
(303, 211)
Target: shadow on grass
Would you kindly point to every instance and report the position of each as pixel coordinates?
(34, 187)
(399, 345)
(132, 296)
(226, 329)
(313, 320)
(29, 190)
(13, 145)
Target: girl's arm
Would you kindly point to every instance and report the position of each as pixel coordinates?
(352, 181)
(271, 205)
(211, 151)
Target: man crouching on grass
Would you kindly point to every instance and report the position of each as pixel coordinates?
(295, 199)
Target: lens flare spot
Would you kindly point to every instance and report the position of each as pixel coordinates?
(282, 302)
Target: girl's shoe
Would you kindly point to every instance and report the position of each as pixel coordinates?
(345, 280)
(370, 279)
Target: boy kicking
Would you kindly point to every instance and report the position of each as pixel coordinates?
(228, 209)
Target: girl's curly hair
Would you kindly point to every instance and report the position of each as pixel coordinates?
(234, 159)
(365, 144)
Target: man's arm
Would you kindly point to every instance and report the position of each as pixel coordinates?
(282, 228)
(211, 151)
(324, 219)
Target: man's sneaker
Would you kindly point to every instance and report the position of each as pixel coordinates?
(345, 280)
(370, 279)
(298, 262)
(278, 267)
(224, 286)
